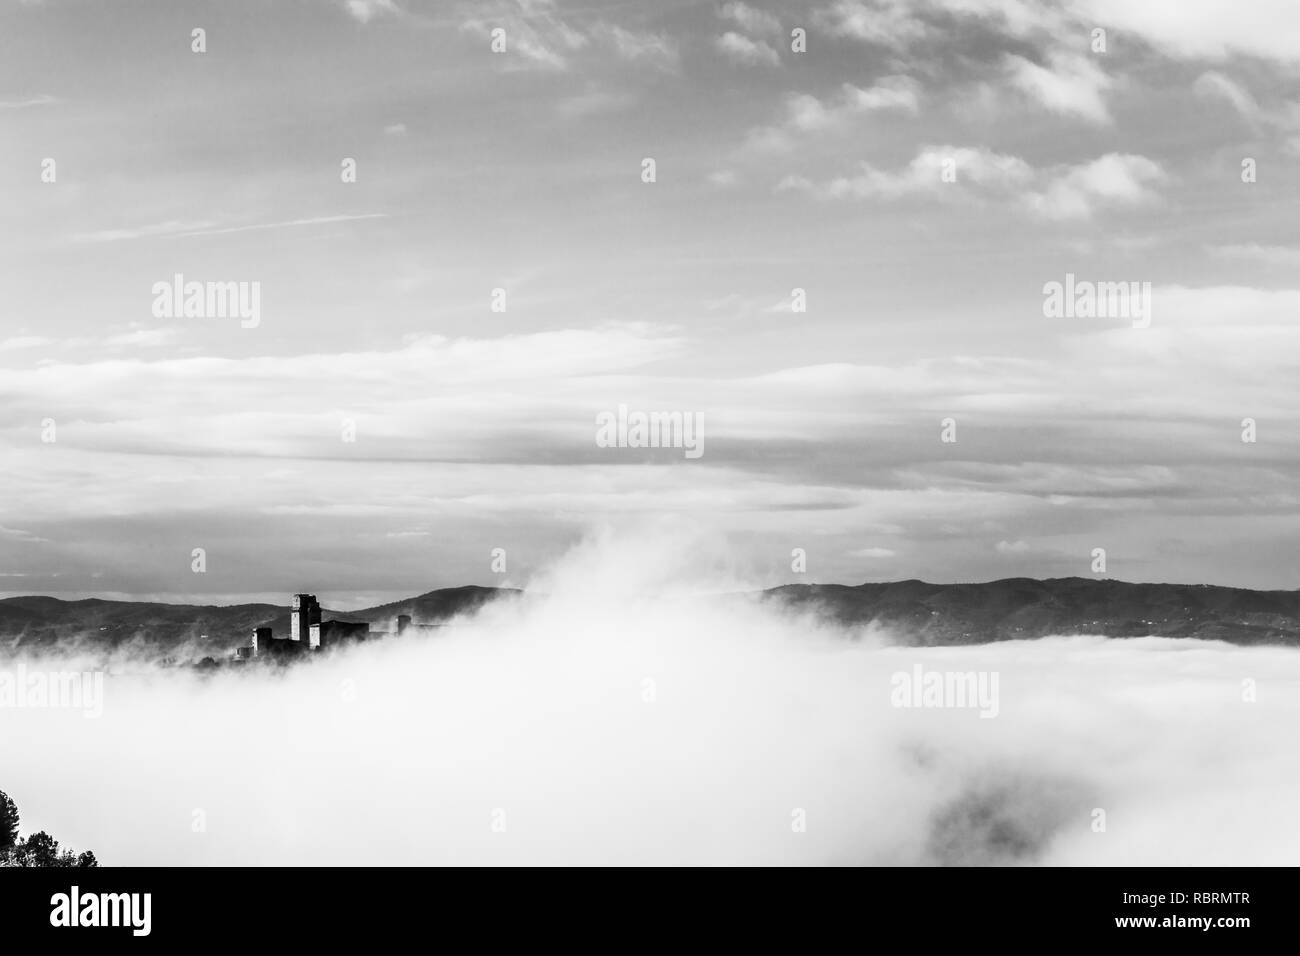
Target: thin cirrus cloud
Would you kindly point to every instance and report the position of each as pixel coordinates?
(175, 229)
(1278, 119)
(29, 102)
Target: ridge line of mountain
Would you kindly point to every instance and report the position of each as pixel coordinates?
(912, 610)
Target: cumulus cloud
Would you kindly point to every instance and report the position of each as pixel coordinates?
(891, 23)
(1221, 28)
(1071, 85)
(750, 19)
(366, 10)
(536, 36)
(923, 175)
(741, 49)
(1058, 193)
(1116, 179)
(805, 114)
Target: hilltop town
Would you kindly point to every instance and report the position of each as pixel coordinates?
(308, 633)
(913, 612)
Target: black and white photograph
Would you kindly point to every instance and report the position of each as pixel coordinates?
(675, 433)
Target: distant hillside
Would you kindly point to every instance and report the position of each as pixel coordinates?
(28, 623)
(1015, 608)
(1019, 608)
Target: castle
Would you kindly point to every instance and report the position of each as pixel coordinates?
(307, 633)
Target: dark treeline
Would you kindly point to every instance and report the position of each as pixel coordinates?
(39, 849)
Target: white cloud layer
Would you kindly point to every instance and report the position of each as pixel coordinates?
(602, 723)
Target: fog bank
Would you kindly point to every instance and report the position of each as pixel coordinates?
(624, 716)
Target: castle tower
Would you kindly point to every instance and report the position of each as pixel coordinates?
(261, 638)
(304, 615)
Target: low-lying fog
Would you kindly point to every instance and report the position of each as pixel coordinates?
(622, 719)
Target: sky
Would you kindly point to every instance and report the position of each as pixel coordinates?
(381, 430)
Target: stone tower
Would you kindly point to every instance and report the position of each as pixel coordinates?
(303, 617)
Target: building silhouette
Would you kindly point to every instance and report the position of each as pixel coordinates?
(304, 620)
(307, 633)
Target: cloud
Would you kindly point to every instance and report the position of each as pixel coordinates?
(366, 10)
(171, 227)
(891, 23)
(1220, 28)
(25, 342)
(1115, 179)
(396, 129)
(1071, 85)
(750, 19)
(742, 50)
(536, 37)
(144, 337)
(806, 114)
(872, 553)
(1253, 252)
(43, 100)
(890, 93)
(592, 751)
(18, 534)
(654, 49)
(593, 102)
(923, 175)
(1281, 119)
(189, 229)
(1058, 193)
(1215, 85)
(446, 434)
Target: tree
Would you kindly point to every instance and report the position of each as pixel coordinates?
(39, 849)
(8, 823)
